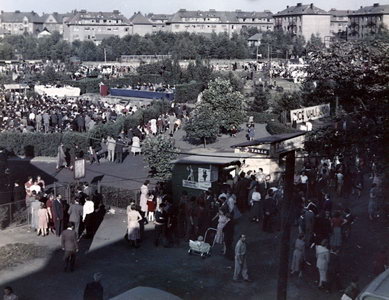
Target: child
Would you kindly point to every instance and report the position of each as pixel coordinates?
(151, 205)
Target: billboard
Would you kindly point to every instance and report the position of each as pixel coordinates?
(306, 114)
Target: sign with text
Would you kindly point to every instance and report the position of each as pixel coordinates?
(306, 114)
(289, 144)
(79, 169)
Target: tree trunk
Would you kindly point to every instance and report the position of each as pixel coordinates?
(205, 141)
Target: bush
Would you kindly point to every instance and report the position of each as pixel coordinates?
(188, 92)
(278, 128)
(263, 117)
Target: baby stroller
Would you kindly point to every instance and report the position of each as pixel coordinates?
(200, 247)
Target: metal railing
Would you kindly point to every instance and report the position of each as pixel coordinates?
(13, 213)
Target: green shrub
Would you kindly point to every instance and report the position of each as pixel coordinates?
(263, 117)
(117, 197)
(278, 128)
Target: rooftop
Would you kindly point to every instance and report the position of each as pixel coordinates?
(140, 19)
(270, 139)
(222, 16)
(214, 158)
(372, 10)
(302, 9)
(18, 16)
(87, 15)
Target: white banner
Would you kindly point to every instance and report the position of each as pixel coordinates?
(310, 113)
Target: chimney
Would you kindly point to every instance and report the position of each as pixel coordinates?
(287, 6)
(299, 4)
(17, 11)
(311, 6)
(376, 4)
(115, 12)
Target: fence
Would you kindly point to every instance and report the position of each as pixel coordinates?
(13, 213)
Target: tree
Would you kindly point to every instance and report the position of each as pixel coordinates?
(224, 103)
(158, 153)
(202, 126)
(287, 101)
(261, 99)
(315, 43)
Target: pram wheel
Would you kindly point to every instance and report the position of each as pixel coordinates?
(189, 252)
(203, 255)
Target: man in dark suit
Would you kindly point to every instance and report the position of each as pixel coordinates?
(70, 245)
(58, 215)
(75, 213)
(242, 192)
(269, 210)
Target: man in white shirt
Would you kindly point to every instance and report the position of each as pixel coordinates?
(87, 217)
(36, 187)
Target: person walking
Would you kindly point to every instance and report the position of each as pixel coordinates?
(9, 294)
(58, 215)
(323, 258)
(111, 148)
(61, 160)
(35, 206)
(337, 222)
(269, 210)
(222, 222)
(43, 220)
(119, 148)
(160, 223)
(94, 290)
(144, 196)
(255, 205)
(240, 259)
(75, 214)
(298, 255)
(133, 226)
(87, 217)
(70, 245)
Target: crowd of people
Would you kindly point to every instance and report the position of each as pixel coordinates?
(49, 213)
(52, 114)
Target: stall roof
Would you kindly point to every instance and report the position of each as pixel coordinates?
(214, 158)
(270, 139)
(15, 86)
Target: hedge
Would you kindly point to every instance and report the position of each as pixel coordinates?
(188, 92)
(46, 144)
(278, 128)
(117, 197)
(263, 117)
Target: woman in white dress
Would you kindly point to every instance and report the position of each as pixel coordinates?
(144, 195)
(222, 221)
(298, 255)
(153, 126)
(323, 258)
(133, 227)
(135, 148)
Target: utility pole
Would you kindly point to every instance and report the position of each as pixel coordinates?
(282, 285)
(105, 55)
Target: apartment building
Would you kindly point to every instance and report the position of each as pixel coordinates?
(339, 21)
(304, 20)
(213, 21)
(159, 21)
(96, 26)
(140, 24)
(55, 21)
(368, 20)
(17, 22)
